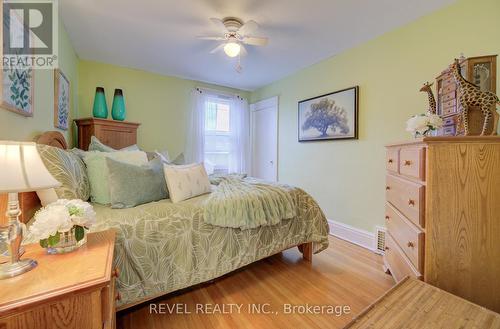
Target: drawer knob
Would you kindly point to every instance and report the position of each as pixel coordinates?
(387, 188)
(410, 244)
(411, 202)
(118, 296)
(386, 248)
(116, 273)
(407, 163)
(387, 217)
(390, 161)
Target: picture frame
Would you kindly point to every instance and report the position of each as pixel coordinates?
(17, 85)
(62, 100)
(332, 116)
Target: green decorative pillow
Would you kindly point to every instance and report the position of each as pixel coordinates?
(179, 160)
(131, 185)
(97, 145)
(69, 170)
(162, 155)
(98, 170)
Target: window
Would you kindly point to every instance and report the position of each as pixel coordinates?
(218, 132)
(217, 135)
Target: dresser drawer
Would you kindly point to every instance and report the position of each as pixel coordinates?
(449, 87)
(409, 238)
(449, 130)
(407, 197)
(446, 81)
(449, 107)
(399, 265)
(412, 162)
(392, 159)
(448, 96)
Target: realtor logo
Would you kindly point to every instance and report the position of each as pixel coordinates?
(30, 33)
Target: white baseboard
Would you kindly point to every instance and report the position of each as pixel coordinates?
(351, 234)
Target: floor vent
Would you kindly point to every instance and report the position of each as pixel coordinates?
(380, 240)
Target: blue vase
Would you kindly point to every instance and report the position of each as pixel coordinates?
(100, 109)
(118, 109)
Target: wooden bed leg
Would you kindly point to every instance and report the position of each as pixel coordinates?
(307, 251)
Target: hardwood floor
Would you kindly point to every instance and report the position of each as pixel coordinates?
(342, 275)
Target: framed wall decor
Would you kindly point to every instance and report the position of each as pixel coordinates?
(331, 116)
(17, 90)
(16, 83)
(61, 100)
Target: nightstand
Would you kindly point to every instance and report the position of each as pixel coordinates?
(72, 291)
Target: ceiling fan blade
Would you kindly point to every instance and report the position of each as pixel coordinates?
(220, 25)
(216, 49)
(210, 38)
(256, 41)
(248, 28)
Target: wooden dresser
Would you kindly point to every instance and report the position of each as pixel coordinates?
(443, 215)
(71, 291)
(116, 134)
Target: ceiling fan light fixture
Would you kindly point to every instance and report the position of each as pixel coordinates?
(232, 49)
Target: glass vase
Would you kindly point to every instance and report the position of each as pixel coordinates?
(100, 109)
(118, 108)
(67, 243)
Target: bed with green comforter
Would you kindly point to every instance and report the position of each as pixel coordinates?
(162, 247)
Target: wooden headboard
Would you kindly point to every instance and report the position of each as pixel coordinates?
(28, 201)
(52, 138)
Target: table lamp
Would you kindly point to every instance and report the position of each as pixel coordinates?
(21, 170)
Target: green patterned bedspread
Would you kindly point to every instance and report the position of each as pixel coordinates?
(248, 203)
(162, 247)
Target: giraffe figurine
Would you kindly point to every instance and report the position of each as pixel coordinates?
(432, 101)
(471, 95)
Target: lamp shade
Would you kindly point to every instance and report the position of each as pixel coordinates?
(22, 169)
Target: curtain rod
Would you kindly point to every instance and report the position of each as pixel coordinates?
(215, 91)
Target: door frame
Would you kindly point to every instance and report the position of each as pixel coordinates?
(272, 102)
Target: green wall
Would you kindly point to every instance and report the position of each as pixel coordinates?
(16, 127)
(347, 177)
(160, 103)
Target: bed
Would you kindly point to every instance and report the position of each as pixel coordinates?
(163, 247)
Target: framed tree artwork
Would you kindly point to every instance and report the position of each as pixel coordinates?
(61, 100)
(331, 116)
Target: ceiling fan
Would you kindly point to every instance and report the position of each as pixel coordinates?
(236, 35)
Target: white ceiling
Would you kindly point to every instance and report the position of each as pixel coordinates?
(160, 35)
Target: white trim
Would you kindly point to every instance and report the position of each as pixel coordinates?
(351, 234)
(269, 103)
(264, 104)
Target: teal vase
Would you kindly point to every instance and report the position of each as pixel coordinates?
(118, 109)
(100, 109)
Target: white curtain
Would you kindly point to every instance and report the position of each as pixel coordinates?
(239, 121)
(239, 126)
(195, 141)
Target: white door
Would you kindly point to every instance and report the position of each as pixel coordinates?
(264, 139)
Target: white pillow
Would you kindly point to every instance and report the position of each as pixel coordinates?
(97, 170)
(186, 181)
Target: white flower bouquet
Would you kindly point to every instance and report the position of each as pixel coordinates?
(62, 223)
(423, 124)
